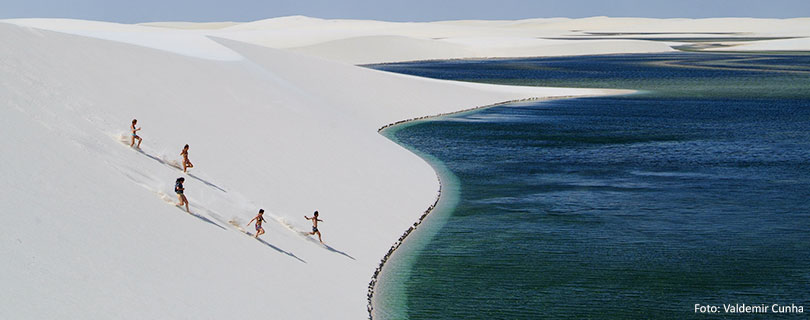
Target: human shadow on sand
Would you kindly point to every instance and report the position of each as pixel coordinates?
(277, 248)
(338, 252)
(207, 183)
(163, 162)
(203, 218)
(326, 246)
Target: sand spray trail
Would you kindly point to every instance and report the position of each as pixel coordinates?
(206, 201)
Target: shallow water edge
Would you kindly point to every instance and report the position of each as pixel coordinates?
(447, 198)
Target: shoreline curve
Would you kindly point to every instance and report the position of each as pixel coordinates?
(375, 277)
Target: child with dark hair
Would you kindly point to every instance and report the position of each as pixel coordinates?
(186, 162)
(259, 219)
(315, 225)
(179, 189)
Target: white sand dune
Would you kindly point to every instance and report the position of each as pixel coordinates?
(397, 48)
(386, 48)
(190, 25)
(751, 26)
(192, 42)
(87, 234)
(88, 230)
(363, 42)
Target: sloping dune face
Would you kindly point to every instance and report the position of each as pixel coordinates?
(89, 228)
(277, 118)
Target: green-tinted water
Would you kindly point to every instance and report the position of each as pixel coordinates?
(694, 192)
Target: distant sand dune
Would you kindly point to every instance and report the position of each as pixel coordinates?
(362, 42)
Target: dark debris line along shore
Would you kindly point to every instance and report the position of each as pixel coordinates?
(372, 284)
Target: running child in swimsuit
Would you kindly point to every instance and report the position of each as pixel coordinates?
(135, 134)
(315, 225)
(178, 189)
(186, 162)
(259, 219)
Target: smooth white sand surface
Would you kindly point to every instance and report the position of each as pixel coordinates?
(190, 25)
(276, 116)
(87, 233)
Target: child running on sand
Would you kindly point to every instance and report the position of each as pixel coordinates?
(315, 225)
(135, 134)
(259, 219)
(178, 188)
(186, 162)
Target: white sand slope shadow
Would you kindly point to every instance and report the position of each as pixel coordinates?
(237, 225)
(151, 183)
(172, 163)
(192, 212)
(147, 182)
(310, 238)
(163, 159)
(206, 182)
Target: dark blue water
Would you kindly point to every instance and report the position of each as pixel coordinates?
(678, 75)
(641, 206)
